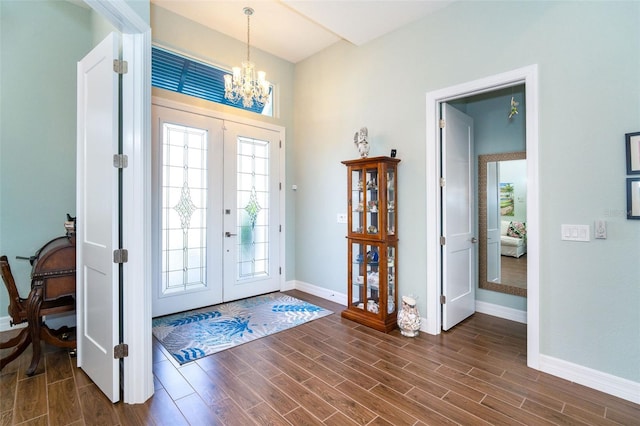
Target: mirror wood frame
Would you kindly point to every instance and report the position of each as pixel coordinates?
(483, 160)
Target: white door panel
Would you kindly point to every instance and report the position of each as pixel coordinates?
(459, 275)
(97, 218)
(251, 205)
(188, 171)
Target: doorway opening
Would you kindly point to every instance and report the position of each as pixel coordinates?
(217, 208)
(527, 76)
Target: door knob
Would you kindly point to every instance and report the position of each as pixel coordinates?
(474, 240)
(229, 234)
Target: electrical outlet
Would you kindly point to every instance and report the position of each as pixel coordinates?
(600, 230)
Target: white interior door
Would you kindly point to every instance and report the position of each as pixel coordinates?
(188, 165)
(493, 223)
(251, 211)
(97, 216)
(459, 271)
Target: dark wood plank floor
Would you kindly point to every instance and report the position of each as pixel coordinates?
(514, 270)
(328, 372)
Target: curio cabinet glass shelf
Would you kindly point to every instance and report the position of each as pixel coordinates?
(372, 242)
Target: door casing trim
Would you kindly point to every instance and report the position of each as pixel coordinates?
(529, 77)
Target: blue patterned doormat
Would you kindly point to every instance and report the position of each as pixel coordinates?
(196, 334)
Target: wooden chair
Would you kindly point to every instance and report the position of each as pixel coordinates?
(18, 314)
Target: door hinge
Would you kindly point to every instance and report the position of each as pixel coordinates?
(280, 186)
(442, 182)
(280, 270)
(443, 240)
(441, 123)
(280, 144)
(443, 299)
(120, 67)
(120, 256)
(280, 228)
(120, 351)
(120, 161)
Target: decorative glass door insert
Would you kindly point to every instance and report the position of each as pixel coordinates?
(184, 208)
(252, 208)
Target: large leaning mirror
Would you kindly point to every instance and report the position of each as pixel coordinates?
(502, 217)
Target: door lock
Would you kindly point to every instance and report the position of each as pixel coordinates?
(474, 240)
(229, 234)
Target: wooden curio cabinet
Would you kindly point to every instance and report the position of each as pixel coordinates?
(372, 242)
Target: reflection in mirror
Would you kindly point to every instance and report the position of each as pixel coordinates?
(502, 217)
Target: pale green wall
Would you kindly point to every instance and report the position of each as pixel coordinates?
(588, 55)
(41, 42)
(172, 31)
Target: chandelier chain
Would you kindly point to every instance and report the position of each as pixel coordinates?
(248, 11)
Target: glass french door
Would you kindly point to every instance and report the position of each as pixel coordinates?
(252, 211)
(216, 211)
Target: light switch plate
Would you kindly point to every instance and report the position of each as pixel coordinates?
(341, 218)
(575, 233)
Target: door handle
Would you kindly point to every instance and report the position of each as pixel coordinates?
(229, 234)
(474, 240)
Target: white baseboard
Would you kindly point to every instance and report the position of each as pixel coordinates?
(604, 382)
(322, 292)
(501, 312)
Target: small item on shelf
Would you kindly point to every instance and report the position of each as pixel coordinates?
(391, 306)
(372, 229)
(372, 306)
(360, 279)
(360, 207)
(372, 184)
(391, 205)
(373, 206)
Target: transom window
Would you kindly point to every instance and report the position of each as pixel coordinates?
(177, 73)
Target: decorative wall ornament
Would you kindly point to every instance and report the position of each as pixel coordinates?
(514, 108)
(361, 141)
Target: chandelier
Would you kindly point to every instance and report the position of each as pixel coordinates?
(243, 84)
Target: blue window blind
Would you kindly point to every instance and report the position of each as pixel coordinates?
(176, 73)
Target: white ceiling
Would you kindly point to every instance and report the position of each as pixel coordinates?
(296, 29)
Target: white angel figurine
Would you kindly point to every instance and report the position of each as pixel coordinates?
(361, 141)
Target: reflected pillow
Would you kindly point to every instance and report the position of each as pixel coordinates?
(517, 229)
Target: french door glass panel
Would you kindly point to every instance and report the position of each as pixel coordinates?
(184, 208)
(188, 162)
(252, 208)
